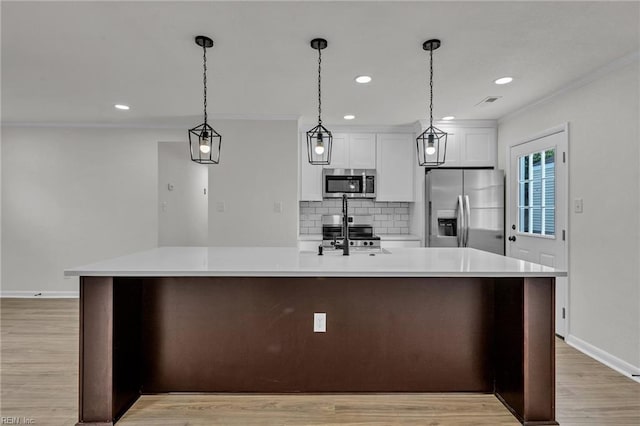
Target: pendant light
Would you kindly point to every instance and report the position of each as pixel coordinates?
(204, 141)
(432, 143)
(319, 138)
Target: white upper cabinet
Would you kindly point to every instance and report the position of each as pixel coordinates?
(339, 152)
(310, 175)
(396, 164)
(353, 151)
(362, 151)
(478, 147)
(471, 146)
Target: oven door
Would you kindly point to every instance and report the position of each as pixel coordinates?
(334, 185)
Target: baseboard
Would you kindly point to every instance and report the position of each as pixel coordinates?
(605, 358)
(40, 294)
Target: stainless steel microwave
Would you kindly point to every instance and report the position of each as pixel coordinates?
(356, 183)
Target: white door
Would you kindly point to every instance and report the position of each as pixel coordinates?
(537, 208)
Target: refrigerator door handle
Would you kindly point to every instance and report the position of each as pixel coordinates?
(460, 222)
(467, 216)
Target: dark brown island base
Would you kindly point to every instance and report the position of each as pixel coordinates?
(416, 320)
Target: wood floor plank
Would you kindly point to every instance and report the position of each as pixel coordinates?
(39, 381)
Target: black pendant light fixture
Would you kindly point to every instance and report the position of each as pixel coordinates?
(432, 143)
(204, 141)
(319, 138)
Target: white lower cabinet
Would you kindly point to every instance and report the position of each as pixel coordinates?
(396, 162)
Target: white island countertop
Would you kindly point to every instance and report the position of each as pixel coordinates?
(288, 261)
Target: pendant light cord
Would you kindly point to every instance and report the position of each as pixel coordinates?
(204, 79)
(319, 86)
(431, 87)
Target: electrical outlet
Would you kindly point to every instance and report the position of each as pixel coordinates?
(277, 207)
(320, 322)
(577, 205)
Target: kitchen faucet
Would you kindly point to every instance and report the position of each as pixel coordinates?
(345, 227)
(345, 231)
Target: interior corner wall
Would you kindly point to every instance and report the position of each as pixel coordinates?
(258, 169)
(73, 196)
(604, 170)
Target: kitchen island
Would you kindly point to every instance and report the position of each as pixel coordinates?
(238, 319)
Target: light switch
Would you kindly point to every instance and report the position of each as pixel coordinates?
(320, 322)
(163, 206)
(220, 206)
(277, 207)
(577, 205)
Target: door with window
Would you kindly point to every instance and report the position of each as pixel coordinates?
(537, 208)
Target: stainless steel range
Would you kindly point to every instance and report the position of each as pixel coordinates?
(360, 228)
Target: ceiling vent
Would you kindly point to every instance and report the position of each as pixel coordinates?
(488, 100)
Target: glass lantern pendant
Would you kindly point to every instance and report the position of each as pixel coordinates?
(319, 138)
(204, 141)
(432, 143)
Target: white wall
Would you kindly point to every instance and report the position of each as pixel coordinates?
(604, 170)
(73, 196)
(1, 210)
(182, 210)
(258, 167)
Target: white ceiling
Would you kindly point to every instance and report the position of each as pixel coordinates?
(69, 62)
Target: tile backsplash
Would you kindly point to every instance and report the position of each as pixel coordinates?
(388, 217)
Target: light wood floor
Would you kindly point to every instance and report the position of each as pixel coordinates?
(39, 376)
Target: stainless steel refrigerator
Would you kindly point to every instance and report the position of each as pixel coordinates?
(465, 208)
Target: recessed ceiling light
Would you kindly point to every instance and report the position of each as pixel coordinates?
(349, 117)
(122, 107)
(363, 79)
(448, 117)
(504, 80)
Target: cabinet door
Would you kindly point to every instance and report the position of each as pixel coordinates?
(478, 147)
(362, 151)
(471, 146)
(396, 157)
(310, 176)
(339, 152)
(452, 157)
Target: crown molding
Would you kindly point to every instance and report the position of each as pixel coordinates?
(342, 128)
(148, 125)
(459, 123)
(75, 125)
(577, 83)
